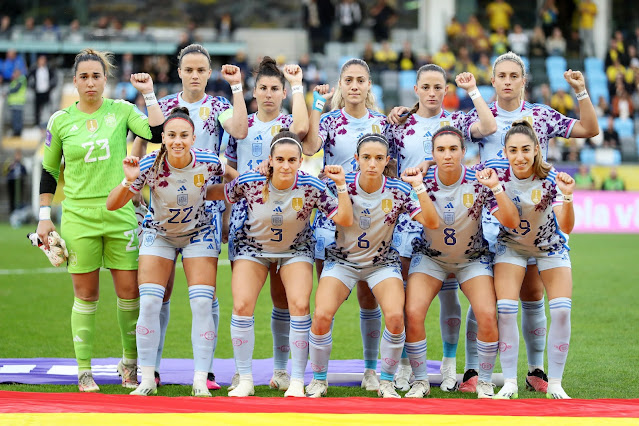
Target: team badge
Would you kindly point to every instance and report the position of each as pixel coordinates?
(529, 119)
(149, 238)
(319, 246)
(297, 204)
(198, 180)
(182, 199)
(535, 196)
(256, 149)
(364, 222)
(468, 200)
(204, 113)
(375, 128)
(110, 120)
(428, 147)
(277, 220)
(275, 129)
(449, 218)
(387, 205)
(444, 123)
(92, 125)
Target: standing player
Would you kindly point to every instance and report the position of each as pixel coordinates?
(363, 253)
(353, 114)
(509, 80)
(245, 154)
(456, 246)
(545, 215)
(412, 136)
(211, 115)
(92, 136)
(179, 220)
(277, 231)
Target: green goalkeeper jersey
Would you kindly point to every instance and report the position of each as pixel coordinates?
(93, 146)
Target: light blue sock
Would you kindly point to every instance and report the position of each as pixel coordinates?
(449, 316)
(215, 313)
(300, 327)
(280, 327)
(202, 325)
(508, 336)
(148, 326)
(472, 361)
(487, 356)
(370, 322)
(391, 351)
(417, 355)
(320, 353)
(558, 336)
(165, 315)
(533, 327)
(243, 338)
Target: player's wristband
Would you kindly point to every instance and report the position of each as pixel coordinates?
(126, 183)
(341, 189)
(236, 88)
(474, 94)
(318, 102)
(582, 95)
(45, 213)
(420, 188)
(567, 198)
(497, 189)
(297, 89)
(149, 98)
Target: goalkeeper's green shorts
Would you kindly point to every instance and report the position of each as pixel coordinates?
(97, 237)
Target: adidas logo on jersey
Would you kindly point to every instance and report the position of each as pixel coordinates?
(74, 128)
(428, 135)
(258, 138)
(182, 188)
(366, 211)
(77, 339)
(516, 200)
(277, 209)
(449, 206)
(211, 247)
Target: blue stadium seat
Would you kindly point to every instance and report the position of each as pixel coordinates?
(593, 65)
(487, 92)
(624, 126)
(557, 82)
(597, 89)
(343, 60)
(587, 156)
(461, 93)
(407, 79)
(378, 92)
(555, 65)
(603, 123)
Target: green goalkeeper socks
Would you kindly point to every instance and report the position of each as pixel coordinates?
(83, 328)
(128, 312)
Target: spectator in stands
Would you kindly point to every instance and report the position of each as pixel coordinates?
(556, 43)
(587, 10)
(538, 43)
(518, 40)
(543, 95)
(407, 60)
(455, 33)
(549, 15)
(610, 135)
(101, 30)
(499, 42)
(499, 13)
(563, 102)
(573, 45)
(613, 182)
(11, 62)
(368, 55)
(615, 72)
(225, 28)
(584, 179)
(49, 32)
(602, 108)
(349, 14)
(484, 70)
(42, 79)
(473, 28)
(5, 27)
(16, 99)
(29, 32)
(143, 34)
(445, 58)
(553, 155)
(318, 20)
(386, 58)
(384, 17)
(621, 104)
(75, 33)
(451, 100)
(16, 175)
(465, 63)
(616, 51)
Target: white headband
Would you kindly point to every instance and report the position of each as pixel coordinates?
(288, 139)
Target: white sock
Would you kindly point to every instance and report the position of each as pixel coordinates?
(558, 336)
(370, 323)
(280, 327)
(165, 315)
(472, 360)
(487, 356)
(391, 352)
(320, 352)
(508, 336)
(300, 327)
(148, 327)
(243, 338)
(533, 326)
(416, 352)
(202, 326)
(215, 313)
(449, 316)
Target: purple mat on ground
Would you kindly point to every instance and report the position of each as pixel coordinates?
(63, 371)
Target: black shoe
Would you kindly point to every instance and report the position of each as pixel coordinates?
(158, 383)
(537, 380)
(469, 381)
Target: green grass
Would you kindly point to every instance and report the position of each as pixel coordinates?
(601, 363)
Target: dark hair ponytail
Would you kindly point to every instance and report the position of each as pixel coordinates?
(268, 68)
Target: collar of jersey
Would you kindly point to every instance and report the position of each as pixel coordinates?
(190, 165)
(200, 102)
(361, 192)
(290, 188)
(352, 119)
(515, 111)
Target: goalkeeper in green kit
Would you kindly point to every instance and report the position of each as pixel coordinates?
(91, 135)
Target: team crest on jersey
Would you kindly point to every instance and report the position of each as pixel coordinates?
(182, 199)
(375, 128)
(198, 180)
(204, 113)
(387, 205)
(444, 123)
(277, 220)
(449, 218)
(92, 125)
(468, 200)
(529, 119)
(535, 196)
(149, 238)
(256, 149)
(364, 222)
(275, 129)
(297, 203)
(110, 120)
